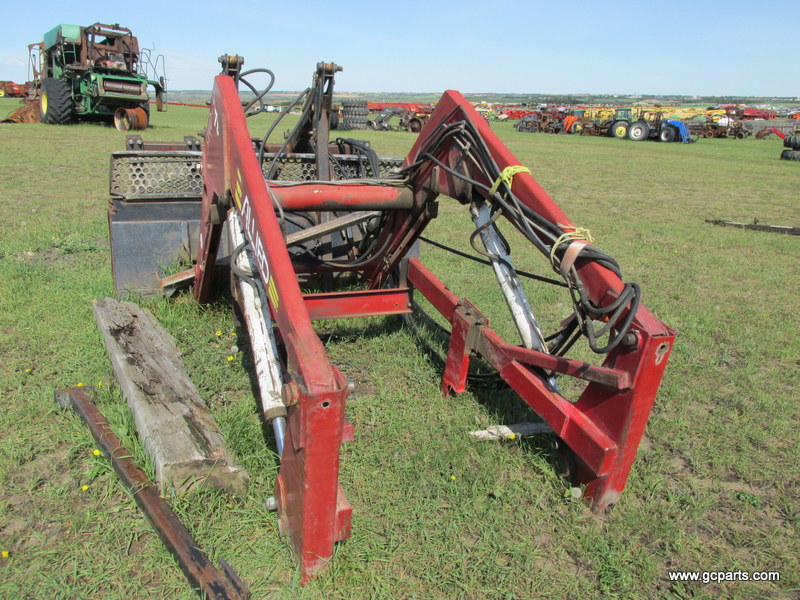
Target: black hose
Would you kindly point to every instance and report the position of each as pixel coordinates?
(536, 229)
(489, 263)
(259, 96)
(239, 272)
(272, 128)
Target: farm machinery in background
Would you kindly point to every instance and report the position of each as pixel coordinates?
(718, 127)
(605, 121)
(639, 123)
(791, 143)
(491, 114)
(13, 90)
(652, 125)
(96, 72)
(750, 113)
(307, 213)
(383, 121)
(549, 120)
(407, 119)
(636, 125)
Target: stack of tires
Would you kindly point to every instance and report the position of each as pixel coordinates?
(354, 114)
(792, 145)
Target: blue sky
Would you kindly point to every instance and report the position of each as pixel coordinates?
(684, 47)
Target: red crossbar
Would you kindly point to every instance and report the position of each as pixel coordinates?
(368, 303)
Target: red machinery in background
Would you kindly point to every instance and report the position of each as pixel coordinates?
(310, 207)
(13, 90)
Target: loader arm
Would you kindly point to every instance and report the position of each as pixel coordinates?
(456, 155)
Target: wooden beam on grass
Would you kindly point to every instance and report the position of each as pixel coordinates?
(178, 431)
(755, 226)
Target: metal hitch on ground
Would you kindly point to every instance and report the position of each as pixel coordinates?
(309, 210)
(212, 583)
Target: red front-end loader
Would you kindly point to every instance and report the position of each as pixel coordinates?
(334, 211)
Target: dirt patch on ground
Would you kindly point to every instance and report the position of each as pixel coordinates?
(28, 487)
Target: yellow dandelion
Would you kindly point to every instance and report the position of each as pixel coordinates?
(27, 370)
(79, 384)
(99, 384)
(5, 554)
(512, 436)
(229, 359)
(452, 477)
(218, 333)
(96, 452)
(85, 488)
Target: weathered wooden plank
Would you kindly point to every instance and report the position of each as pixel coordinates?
(756, 227)
(178, 431)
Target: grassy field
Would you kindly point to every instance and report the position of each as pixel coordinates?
(716, 486)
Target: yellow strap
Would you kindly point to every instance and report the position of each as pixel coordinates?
(579, 233)
(507, 176)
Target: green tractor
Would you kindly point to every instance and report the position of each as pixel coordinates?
(93, 72)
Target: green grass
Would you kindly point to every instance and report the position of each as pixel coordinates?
(715, 486)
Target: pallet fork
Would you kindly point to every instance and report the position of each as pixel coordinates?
(457, 156)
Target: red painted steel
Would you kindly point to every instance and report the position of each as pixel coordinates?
(313, 511)
(372, 303)
(603, 427)
(341, 197)
(613, 378)
(467, 321)
(606, 424)
(517, 113)
(619, 414)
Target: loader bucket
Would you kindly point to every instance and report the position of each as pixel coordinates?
(27, 113)
(153, 216)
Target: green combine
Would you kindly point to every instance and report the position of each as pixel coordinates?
(93, 72)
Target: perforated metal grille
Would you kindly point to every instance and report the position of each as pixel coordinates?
(151, 175)
(148, 175)
(302, 167)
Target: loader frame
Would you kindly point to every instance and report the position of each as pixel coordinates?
(603, 427)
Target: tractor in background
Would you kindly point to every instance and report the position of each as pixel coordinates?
(651, 125)
(547, 121)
